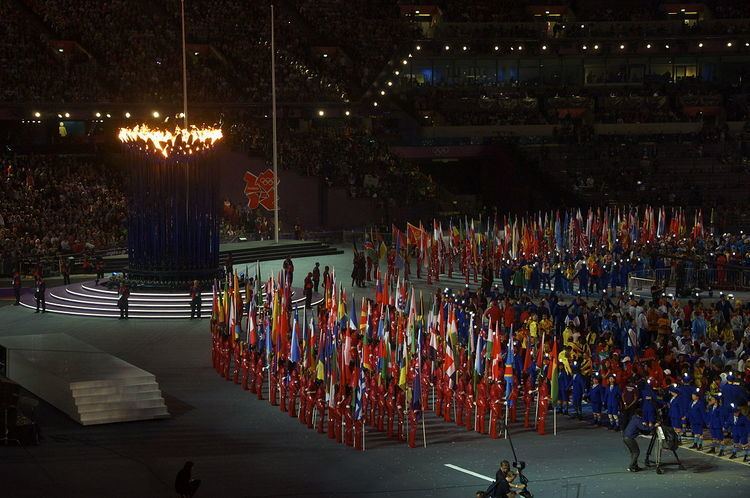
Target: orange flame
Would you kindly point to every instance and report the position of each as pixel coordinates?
(186, 140)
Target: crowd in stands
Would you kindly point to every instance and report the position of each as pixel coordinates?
(351, 157)
(33, 72)
(59, 205)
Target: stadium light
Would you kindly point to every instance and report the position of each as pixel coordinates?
(37, 114)
(155, 114)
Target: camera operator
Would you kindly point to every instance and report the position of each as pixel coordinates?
(504, 485)
(635, 426)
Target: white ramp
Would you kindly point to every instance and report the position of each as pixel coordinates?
(91, 386)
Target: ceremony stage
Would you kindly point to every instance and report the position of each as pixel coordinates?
(91, 300)
(90, 386)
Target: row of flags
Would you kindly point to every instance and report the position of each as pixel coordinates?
(560, 231)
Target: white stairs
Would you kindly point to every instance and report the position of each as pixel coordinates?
(89, 385)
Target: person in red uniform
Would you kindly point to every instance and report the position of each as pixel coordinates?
(496, 407)
(543, 406)
(291, 392)
(469, 407)
(381, 400)
(424, 380)
(236, 361)
(513, 402)
(348, 416)
(447, 399)
(341, 407)
(245, 369)
(460, 397)
(274, 384)
(400, 412)
(439, 394)
(226, 354)
(320, 406)
(527, 401)
(283, 386)
(259, 376)
(302, 393)
(390, 403)
(481, 406)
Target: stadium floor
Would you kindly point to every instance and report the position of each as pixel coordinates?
(244, 447)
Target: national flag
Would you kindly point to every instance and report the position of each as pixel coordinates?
(450, 365)
(508, 375)
(552, 374)
(252, 333)
(294, 354)
(361, 387)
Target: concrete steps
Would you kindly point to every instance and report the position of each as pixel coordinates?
(89, 385)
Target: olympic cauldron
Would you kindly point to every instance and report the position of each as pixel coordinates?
(173, 205)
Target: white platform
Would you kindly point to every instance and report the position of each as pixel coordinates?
(91, 386)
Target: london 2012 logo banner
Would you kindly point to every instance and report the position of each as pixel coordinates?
(259, 190)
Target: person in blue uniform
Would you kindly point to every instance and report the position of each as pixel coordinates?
(578, 386)
(738, 427)
(563, 380)
(596, 398)
(686, 391)
(696, 418)
(715, 421)
(648, 402)
(676, 415)
(612, 399)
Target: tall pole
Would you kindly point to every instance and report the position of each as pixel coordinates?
(273, 121)
(184, 67)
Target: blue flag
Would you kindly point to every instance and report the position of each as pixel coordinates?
(294, 354)
(361, 386)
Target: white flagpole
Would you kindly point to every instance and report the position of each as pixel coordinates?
(554, 421)
(273, 121)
